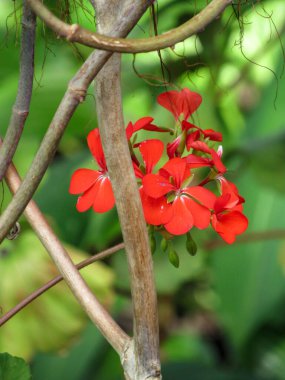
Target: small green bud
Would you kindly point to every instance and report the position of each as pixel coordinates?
(191, 246)
(173, 257)
(164, 245)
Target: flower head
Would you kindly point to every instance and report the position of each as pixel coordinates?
(181, 102)
(188, 206)
(93, 185)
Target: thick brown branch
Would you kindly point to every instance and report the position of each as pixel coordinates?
(76, 33)
(22, 103)
(142, 358)
(30, 298)
(128, 15)
(100, 317)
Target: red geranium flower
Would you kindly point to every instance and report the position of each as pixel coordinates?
(181, 102)
(227, 220)
(189, 206)
(143, 123)
(94, 185)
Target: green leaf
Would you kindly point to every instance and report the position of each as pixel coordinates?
(13, 368)
(40, 325)
(249, 278)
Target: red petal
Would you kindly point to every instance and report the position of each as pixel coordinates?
(184, 102)
(104, 198)
(151, 151)
(221, 203)
(218, 162)
(129, 130)
(204, 196)
(82, 180)
(194, 136)
(186, 126)
(197, 162)
(156, 211)
(156, 186)
(203, 147)
(142, 123)
(228, 187)
(177, 168)
(229, 225)
(190, 102)
(137, 170)
(181, 220)
(95, 146)
(86, 200)
(201, 214)
(171, 147)
(169, 100)
(212, 135)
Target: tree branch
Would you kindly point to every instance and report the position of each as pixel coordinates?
(99, 316)
(128, 14)
(30, 298)
(76, 33)
(141, 360)
(22, 103)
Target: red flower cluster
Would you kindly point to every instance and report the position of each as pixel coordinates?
(175, 198)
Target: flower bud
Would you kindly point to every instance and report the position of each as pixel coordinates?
(164, 245)
(191, 246)
(173, 257)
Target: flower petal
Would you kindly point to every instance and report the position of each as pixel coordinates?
(204, 196)
(169, 100)
(229, 225)
(82, 180)
(104, 197)
(180, 102)
(129, 130)
(176, 168)
(197, 162)
(151, 151)
(182, 220)
(95, 146)
(212, 135)
(156, 211)
(218, 162)
(100, 196)
(191, 101)
(201, 146)
(172, 147)
(156, 186)
(86, 200)
(201, 214)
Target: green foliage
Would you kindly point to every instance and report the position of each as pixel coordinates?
(13, 368)
(40, 325)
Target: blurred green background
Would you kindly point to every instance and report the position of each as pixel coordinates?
(222, 312)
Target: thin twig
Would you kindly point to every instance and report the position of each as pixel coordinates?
(99, 316)
(142, 358)
(22, 103)
(25, 302)
(128, 14)
(76, 33)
